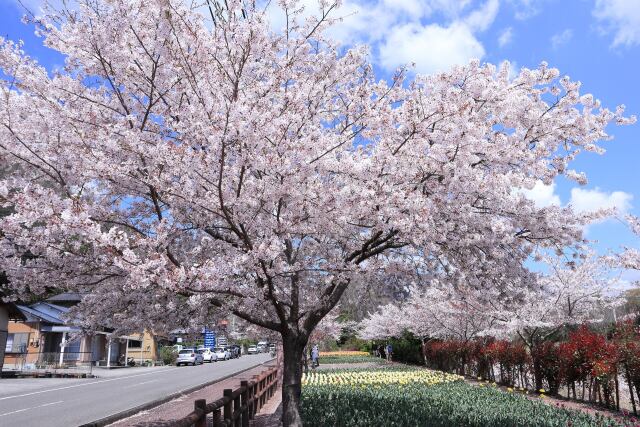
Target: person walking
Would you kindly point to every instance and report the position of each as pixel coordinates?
(315, 355)
(389, 352)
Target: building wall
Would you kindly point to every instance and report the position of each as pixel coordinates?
(4, 325)
(14, 360)
(149, 349)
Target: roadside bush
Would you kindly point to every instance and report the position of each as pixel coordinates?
(407, 349)
(168, 356)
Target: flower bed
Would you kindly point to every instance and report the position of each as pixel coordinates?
(420, 397)
(324, 360)
(343, 353)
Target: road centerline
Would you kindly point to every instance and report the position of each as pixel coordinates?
(33, 407)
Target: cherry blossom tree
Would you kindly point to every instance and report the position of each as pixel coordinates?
(439, 311)
(199, 164)
(569, 293)
(388, 321)
(630, 258)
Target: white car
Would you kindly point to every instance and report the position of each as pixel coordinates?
(221, 353)
(252, 349)
(189, 356)
(208, 355)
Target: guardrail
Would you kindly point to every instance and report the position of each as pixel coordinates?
(236, 407)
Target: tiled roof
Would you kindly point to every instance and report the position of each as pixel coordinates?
(35, 313)
(65, 297)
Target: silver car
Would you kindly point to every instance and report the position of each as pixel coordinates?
(189, 356)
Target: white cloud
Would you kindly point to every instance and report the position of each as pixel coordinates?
(505, 37)
(525, 9)
(584, 200)
(622, 17)
(542, 195)
(435, 47)
(414, 8)
(432, 48)
(562, 38)
(482, 18)
(400, 33)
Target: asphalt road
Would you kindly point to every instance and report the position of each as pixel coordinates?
(72, 402)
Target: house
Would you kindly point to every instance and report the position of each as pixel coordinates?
(44, 339)
(8, 312)
(37, 340)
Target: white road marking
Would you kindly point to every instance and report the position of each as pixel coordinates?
(137, 384)
(86, 384)
(35, 407)
(49, 404)
(14, 412)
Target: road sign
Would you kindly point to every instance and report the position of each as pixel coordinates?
(209, 339)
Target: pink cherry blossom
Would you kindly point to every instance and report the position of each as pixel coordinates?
(187, 165)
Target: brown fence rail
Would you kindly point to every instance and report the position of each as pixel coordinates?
(236, 407)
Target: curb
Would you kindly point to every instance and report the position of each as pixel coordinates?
(150, 405)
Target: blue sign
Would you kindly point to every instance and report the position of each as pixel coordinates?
(209, 338)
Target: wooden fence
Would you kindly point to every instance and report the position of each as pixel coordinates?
(236, 407)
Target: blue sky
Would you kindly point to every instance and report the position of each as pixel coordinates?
(594, 41)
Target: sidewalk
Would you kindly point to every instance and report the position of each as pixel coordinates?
(165, 414)
(271, 413)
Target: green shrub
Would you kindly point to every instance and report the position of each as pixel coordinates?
(168, 356)
(407, 349)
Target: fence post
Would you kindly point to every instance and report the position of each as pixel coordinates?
(237, 408)
(270, 385)
(200, 406)
(227, 414)
(245, 403)
(216, 418)
(254, 394)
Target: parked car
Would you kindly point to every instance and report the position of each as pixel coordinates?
(208, 355)
(262, 346)
(235, 350)
(252, 349)
(272, 348)
(177, 348)
(189, 356)
(222, 353)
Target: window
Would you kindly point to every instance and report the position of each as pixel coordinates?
(17, 343)
(135, 344)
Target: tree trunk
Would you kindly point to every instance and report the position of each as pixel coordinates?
(617, 383)
(630, 383)
(293, 346)
(537, 372)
